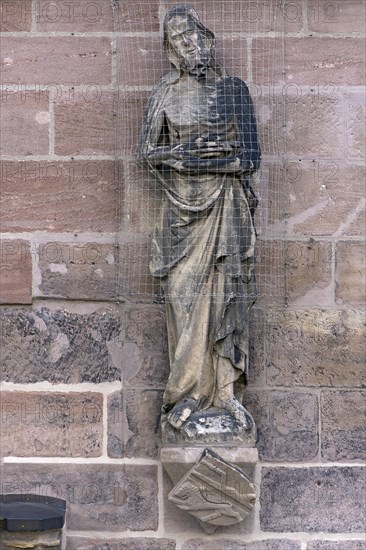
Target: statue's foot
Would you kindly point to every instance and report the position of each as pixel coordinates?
(182, 411)
(236, 409)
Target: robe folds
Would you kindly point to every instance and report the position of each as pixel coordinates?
(203, 247)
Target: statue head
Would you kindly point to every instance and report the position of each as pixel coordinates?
(189, 45)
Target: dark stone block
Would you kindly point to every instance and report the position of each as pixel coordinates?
(80, 543)
(59, 346)
(313, 500)
(229, 544)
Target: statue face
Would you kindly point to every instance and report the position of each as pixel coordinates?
(187, 42)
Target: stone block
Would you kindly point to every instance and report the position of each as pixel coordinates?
(350, 273)
(136, 284)
(270, 113)
(336, 545)
(145, 197)
(345, 17)
(236, 16)
(130, 109)
(15, 15)
(343, 425)
(355, 117)
(78, 271)
(287, 424)
(58, 196)
(324, 136)
(326, 61)
(109, 498)
(81, 16)
(59, 346)
(232, 53)
(130, 543)
(267, 61)
(314, 348)
(54, 60)
(140, 60)
(145, 350)
(15, 272)
(312, 500)
(133, 423)
(237, 544)
(321, 197)
(57, 424)
(25, 121)
(85, 127)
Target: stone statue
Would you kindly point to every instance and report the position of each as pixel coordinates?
(199, 139)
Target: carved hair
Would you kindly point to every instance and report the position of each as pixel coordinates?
(208, 37)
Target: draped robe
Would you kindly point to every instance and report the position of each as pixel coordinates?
(203, 248)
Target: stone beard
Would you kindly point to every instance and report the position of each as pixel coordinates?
(199, 139)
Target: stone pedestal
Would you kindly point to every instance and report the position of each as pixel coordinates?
(31, 521)
(31, 539)
(213, 484)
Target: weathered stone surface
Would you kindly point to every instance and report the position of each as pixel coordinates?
(303, 269)
(140, 60)
(313, 500)
(15, 272)
(247, 17)
(322, 138)
(321, 197)
(58, 196)
(31, 539)
(232, 544)
(350, 273)
(81, 16)
(78, 271)
(324, 60)
(81, 543)
(356, 133)
(85, 127)
(130, 109)
(25, 121)
(133, 423)
(287, 424)
(343, 425)
(59, 346)
(336, 545)
(145, 351)
(136, 283)
(108, 498)
(56, 60)
(58, 424)
(314, 348)
(145, 197)
(331, 17)
(16, 16)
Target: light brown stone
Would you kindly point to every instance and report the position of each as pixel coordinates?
(15, 272)
(45, 424)
(15, 15)
(355, 118)
(343, 17)
(58, 196)
(54, 60)
(350, 273)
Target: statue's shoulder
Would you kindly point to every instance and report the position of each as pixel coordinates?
(166, 80)
(237, 84)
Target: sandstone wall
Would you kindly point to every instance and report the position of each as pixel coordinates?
(83, 339)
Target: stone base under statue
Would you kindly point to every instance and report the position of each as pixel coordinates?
(211, 427)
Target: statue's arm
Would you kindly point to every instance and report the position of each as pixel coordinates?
(247, 127)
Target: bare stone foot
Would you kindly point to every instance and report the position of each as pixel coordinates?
(236, 409)
(182, 411)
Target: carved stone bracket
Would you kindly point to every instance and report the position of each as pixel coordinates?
(215, 489)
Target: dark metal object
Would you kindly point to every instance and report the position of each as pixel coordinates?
(31, 513)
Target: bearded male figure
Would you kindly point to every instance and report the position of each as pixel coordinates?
(199, 139)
